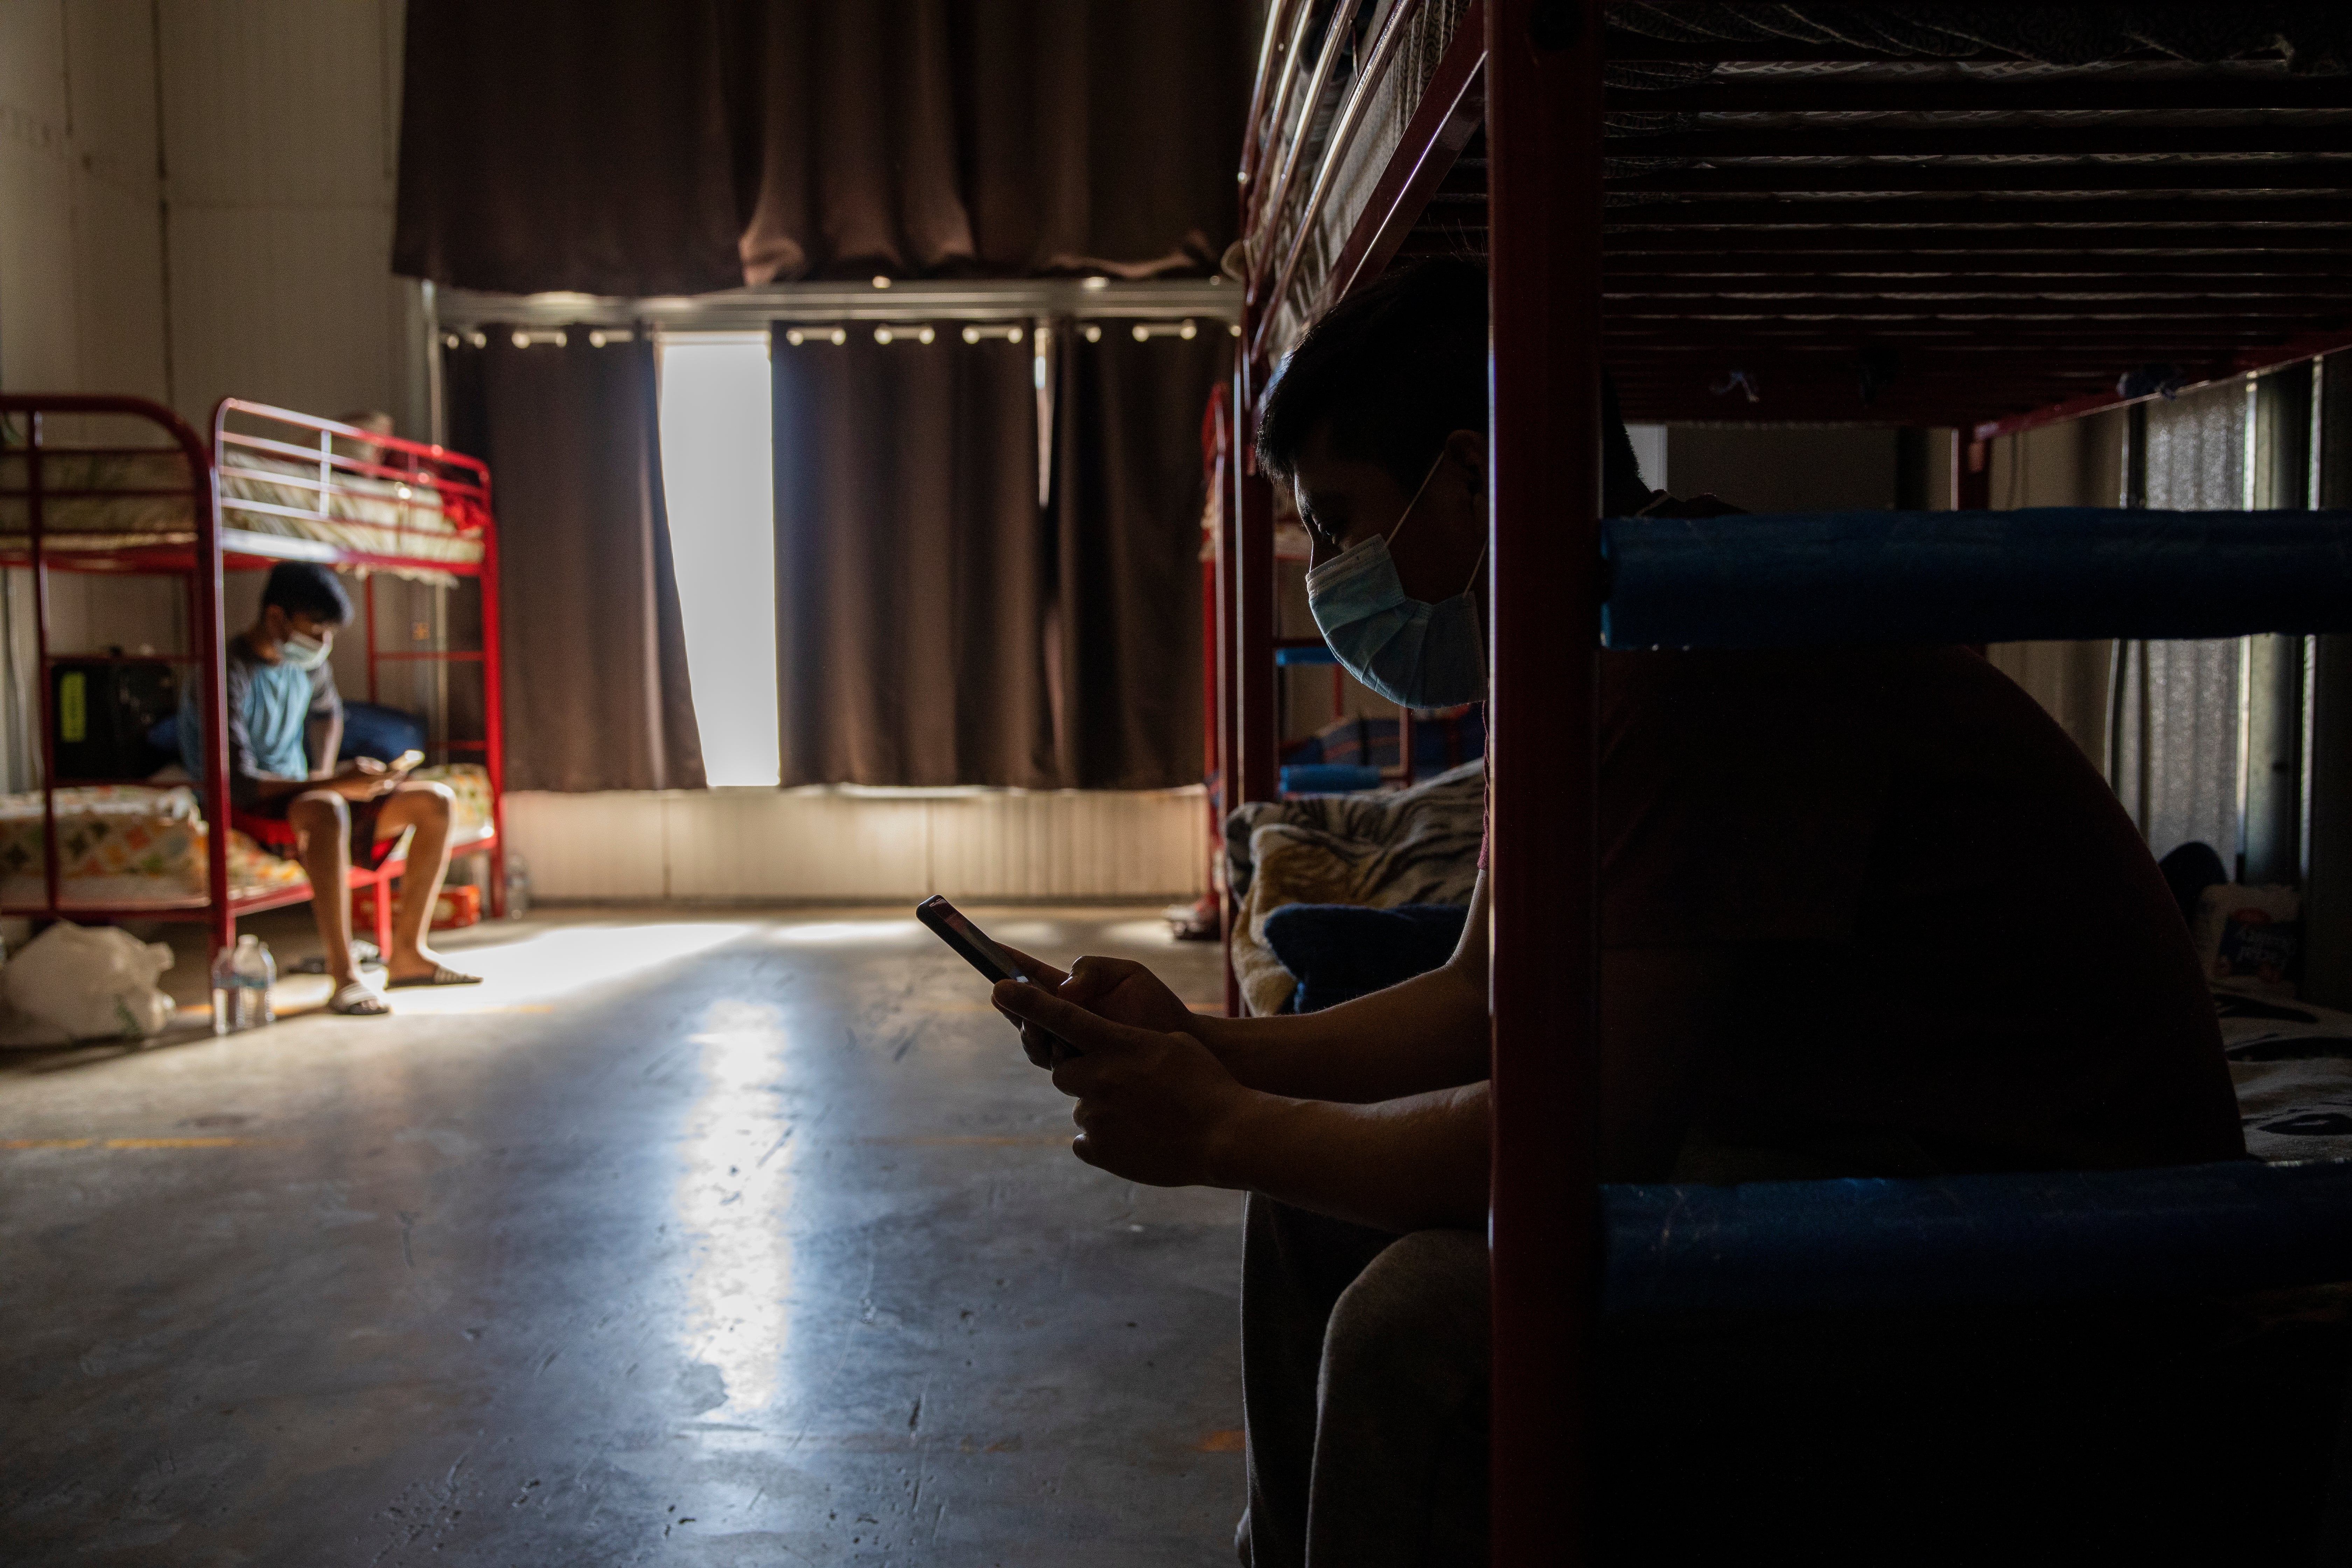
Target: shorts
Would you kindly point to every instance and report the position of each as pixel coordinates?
(368, 851)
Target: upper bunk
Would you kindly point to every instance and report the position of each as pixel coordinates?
(116, 485)
(1917, 214)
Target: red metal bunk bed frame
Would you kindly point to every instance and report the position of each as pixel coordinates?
(1991, 297)
(464, 485)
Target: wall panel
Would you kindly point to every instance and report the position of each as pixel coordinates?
(277, 103)
(589, 845)
(754, 845)
(37, 269)
(280, 150)
(287, 305)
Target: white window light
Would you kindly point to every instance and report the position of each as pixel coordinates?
(716, 451)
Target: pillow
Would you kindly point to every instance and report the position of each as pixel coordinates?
(1341, 951)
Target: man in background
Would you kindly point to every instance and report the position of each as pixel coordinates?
(285, 730)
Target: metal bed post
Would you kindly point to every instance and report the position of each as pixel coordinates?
(34, 488)
(1228, 664)
(212, 669)
(494, 733)
(1259, 737)
(1543, 136)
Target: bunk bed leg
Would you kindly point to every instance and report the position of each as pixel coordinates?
(1260, 735)
(51, 870)
(1543, 137)
(494, 727)
(1245, 642)
(211, 667)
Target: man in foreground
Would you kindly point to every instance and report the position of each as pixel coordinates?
(285, 730)
(1812, 964)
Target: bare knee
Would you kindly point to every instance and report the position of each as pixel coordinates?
(429, 803)
(319, 812)
(1416, 1316)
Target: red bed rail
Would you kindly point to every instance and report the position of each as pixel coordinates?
(462, 484)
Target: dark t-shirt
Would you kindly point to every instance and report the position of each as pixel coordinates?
(1959, 956)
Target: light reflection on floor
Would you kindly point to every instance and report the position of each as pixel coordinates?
(734, 1184)
(714, 1237)
(824, 933)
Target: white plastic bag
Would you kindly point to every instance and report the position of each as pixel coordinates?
(89, 982)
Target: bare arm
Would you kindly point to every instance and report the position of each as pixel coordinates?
(1403, 1164)
(1160, 1108)
(324, 740)
(1427, 1032)
(1164, 1108)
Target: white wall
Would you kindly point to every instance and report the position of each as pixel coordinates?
(196, 202)
(81, 259)
(764, 844)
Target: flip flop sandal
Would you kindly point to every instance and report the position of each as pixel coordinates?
(358, 1000)
(442, 975)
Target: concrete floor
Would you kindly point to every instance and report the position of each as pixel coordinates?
(694, 1236)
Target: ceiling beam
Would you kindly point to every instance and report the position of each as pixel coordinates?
(1681, 304)
(1630, 49)
(2236, 176)
(1848, 141)
(1840, 218)
(2269, 87)
(1981, 269)
(1826, 236)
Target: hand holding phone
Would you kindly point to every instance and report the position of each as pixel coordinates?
(951, 926)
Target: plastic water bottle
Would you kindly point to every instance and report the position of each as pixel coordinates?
(242, 977)
(518, 886)
(226, 989)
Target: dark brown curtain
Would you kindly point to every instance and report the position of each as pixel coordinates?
(615, 147)
(568, 144)
(935, 625)
(1005, 137)
(1126, 521)
(595, 681)
(912, 564)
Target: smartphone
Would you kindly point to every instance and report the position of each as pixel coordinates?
(948, 924)
(407, 761)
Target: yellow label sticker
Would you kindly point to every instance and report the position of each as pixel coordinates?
(73, 706)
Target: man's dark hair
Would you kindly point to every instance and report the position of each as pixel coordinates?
(1394, 368)
(307, 588)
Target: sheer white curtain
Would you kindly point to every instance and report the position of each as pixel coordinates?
(2176, 755)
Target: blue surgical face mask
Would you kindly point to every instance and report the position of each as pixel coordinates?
(302, 652)
(1416, 655)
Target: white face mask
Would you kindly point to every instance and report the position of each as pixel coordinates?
(1417, 655)
(302, 652)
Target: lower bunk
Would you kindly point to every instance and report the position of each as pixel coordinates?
(132, 849)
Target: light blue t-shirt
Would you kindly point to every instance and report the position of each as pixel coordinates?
(269, 708)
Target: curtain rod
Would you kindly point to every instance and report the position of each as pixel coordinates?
(881, 301)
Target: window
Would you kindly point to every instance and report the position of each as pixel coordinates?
(716, 446)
